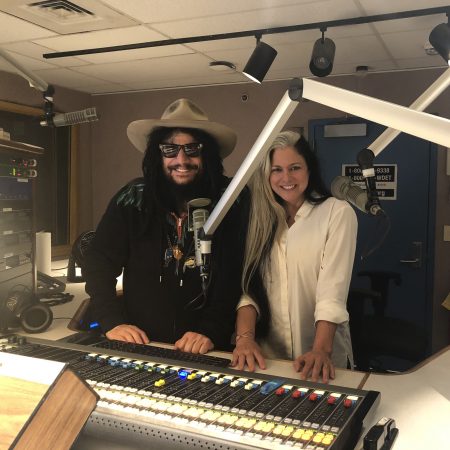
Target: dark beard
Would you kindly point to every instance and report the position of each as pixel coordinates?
(175, 196)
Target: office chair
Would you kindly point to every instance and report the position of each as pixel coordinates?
(378, 339)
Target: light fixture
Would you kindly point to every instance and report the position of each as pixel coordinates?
(322, 56)
(260, 61)
(440, 39)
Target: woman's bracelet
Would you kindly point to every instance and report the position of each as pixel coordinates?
(247, 334)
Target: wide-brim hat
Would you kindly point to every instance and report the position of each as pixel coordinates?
(182, 113)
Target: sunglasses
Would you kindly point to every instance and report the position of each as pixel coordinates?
(171, 150)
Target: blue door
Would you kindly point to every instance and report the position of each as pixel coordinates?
(391, 290)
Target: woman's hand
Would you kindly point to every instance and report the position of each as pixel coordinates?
(128, 333)
(194, 343)
(247, 351)
(313, 364)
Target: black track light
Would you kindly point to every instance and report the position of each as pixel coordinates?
(440, 40)
(260, 61)
(322, 56)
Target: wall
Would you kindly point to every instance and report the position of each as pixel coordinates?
(16, 89)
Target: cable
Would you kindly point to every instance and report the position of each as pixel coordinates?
(56, 299)
(383, 220)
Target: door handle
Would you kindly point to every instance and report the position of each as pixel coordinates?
(416, 254)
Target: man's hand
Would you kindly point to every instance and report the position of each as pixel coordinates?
(194, 343)
(313, 364)
(128, 333)
(247, 351)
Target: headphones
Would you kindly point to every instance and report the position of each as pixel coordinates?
(23, 309)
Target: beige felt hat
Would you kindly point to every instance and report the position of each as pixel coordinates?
(182, 113)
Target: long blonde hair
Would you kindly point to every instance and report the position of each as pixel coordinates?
(265, 213)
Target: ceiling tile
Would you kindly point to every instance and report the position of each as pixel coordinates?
(67, 78)
(103, 38)
(36, 51)
(372, 7)
(158, 10)
(155, 69)
(407, 44)
(260, 19)
(14, 29)
(426, 24)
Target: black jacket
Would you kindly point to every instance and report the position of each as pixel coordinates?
(126, 238)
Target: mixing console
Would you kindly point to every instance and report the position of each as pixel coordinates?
(143, 400)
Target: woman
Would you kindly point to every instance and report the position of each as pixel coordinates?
(301, 242)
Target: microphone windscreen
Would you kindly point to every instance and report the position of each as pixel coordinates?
(199, 217)
(343, 188)
(75, 117)
(339, 186)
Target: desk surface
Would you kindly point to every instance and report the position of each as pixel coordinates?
(419, 400)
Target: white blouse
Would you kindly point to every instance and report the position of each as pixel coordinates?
(308, 280)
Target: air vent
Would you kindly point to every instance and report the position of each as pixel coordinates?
(60, 9)
(67, 17)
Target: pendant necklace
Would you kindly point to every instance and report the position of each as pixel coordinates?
(177, 251)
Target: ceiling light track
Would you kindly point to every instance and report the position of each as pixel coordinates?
(261, 32)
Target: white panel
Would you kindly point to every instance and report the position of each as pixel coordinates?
(387, 6)
(167, 10)
(175, 67)
(362, 48)
(414, 23)
(290, 15)
(104, 38)
(31, 63)
(13, 29)
(132, 55)
(36, 51)
(67, 78)
(407, 44)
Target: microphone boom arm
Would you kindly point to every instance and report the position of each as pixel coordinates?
(34, 80)
(423, 125)
(367, 155)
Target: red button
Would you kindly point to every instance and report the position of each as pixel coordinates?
(331, 400)
(296, 394)
(280, 391)
(313, 397)
(348, 403)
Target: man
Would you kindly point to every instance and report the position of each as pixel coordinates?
(144, 232)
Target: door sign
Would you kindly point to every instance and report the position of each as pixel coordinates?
(385, 178)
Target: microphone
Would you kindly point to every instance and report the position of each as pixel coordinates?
(202, 245)
(199, 217)
(71, 118)
(343, 188)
